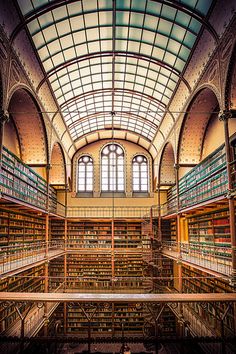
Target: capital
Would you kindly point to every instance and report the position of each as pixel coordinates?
(4, 116)
(224, 115)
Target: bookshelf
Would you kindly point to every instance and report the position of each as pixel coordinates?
(31, 280)
(195, 281)
(56, 273)
(166, 273)
(166, 229)
(128, 234)
(89, 272)
(128, 271)
(206, 181)
(57, 229)
(18, 228)
(212, 229)
(89, 234)
(22, 183)
(172, 200)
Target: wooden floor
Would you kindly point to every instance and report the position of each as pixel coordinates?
(88, 297)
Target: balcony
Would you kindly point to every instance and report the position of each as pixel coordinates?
(107, 212)
(215, 258)
(19, 182)
(23, 255)
(206, 182)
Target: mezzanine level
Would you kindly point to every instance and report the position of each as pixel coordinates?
(217, 259)
(206, 182)
(19, 257)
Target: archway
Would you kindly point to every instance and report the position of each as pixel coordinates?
(203, 108)
(24, 111)
(167, 171)
(58, 172)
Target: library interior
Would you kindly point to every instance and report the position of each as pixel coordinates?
(118, 176)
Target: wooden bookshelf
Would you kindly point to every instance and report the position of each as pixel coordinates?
(128, 271)
(89, 234)
(89, 272)
(206, 181)
(172, 200)
(57, 229)
(31, 280)
(22, 183)
(195, 281)
(20, 228)
(56, 273)
(212, 229)
(128, 234)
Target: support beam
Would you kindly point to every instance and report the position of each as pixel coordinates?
(116, 298)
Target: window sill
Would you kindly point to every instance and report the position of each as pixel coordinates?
(84, 195)
(112, 194)
(140, 194)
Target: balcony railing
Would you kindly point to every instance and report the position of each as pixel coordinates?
(216, 258)
(107, 212)
(208, 180)
(22, 254)
(19, 181)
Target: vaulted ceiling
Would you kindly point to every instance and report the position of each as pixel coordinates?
(114, 64)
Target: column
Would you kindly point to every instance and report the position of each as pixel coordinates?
(178, 236)
(4, 118)
(46, 273)
(224, 116)
(159, 236)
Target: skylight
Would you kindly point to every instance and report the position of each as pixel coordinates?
(115, 67)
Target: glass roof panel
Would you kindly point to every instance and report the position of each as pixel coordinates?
(133, 74)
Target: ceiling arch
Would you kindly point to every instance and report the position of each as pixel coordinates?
(203, 105)
(30, 125)
(114, 47)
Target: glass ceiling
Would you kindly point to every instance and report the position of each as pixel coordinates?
(113, 64)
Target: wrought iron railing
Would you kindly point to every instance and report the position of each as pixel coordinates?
(216, 258)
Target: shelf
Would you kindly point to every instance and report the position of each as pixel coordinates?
(211, 228)
(21, 182)
(195, 281)
(18, 227)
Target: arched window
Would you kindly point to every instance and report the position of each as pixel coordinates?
(85, 174)
(112, 169)
(140, 174)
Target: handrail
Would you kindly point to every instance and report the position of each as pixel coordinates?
(19, 255)
(108, 211)
(216, 258)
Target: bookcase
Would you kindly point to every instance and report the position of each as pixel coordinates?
(89, 234)
(21, 182)
(128, 234)
(172, 200)
(205, 181)
(18, 228)
(212, 229)
(105, 320)
(31, 280)
(89, 272)
(128, 271)
(57, 229)
(166, 229)
(56, 273)
(196, 281)
(130, 317)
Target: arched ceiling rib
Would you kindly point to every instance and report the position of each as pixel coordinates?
(102, 91)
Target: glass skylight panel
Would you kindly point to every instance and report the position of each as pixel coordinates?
(145, 28)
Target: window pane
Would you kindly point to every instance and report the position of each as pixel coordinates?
(112, 173)
(85, 174)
